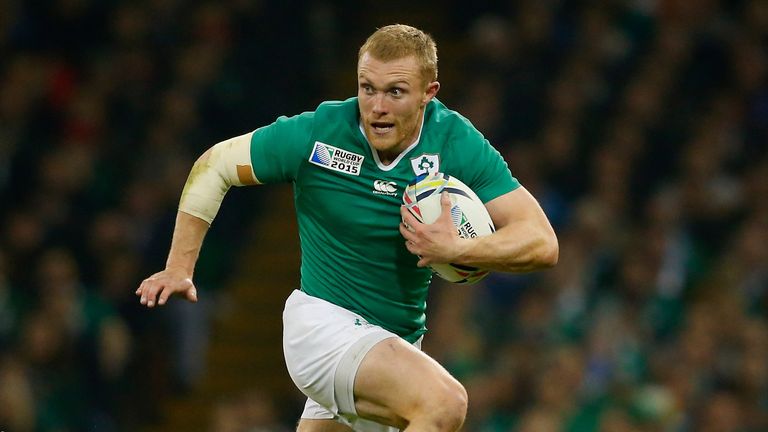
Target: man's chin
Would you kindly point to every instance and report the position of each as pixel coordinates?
(379, 142)
(382, 145)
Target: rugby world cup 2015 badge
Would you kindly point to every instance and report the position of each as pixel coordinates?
(336, 159)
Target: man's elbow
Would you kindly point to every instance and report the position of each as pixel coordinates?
(549, 252)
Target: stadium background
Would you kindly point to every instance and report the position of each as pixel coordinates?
(641, 125)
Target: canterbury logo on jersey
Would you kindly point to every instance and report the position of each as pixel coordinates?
(383, 187)
(336, 159)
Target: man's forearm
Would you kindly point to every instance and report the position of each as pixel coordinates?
(223, 165)
(187, 240)
(517, 247)
(524, 240)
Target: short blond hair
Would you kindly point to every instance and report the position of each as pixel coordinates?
(397, 41)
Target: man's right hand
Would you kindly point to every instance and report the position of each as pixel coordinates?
(157, 288)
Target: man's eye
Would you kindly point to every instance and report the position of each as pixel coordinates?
(367, 89)
(396, 92)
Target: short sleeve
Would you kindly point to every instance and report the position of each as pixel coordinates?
(278, 150)
(492, 177)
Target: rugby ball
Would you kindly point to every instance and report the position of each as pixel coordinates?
(469, 215)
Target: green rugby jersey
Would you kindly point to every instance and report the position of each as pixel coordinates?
(348, 203)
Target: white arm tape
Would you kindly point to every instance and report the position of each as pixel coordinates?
(226, 164)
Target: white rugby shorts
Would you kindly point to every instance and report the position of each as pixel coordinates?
(324, 345)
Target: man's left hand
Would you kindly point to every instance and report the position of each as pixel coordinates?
(438, 242)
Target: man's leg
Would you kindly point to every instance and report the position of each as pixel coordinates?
(358, 370)
(399, 385)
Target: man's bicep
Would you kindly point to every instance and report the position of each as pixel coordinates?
(235, 160)
(515, 206)
(226, 164)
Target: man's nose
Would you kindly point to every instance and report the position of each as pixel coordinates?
(380, 104)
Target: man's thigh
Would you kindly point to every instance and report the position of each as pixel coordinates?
(394, 378)
(354, 369)
(323, 346)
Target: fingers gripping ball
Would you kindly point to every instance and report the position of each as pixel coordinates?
(469, 215)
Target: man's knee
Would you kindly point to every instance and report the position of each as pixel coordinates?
(448, 409)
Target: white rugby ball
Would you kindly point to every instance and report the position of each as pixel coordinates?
(469, 215)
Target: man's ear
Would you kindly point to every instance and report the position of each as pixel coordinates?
(432, 89)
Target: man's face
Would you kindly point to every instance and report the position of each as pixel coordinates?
(392, 96)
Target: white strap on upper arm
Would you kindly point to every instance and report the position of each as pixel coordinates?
(226, 164)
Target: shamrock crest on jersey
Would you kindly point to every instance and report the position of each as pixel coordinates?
(426, 164)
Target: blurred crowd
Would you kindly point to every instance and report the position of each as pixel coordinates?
(643, 129)
(640, 125)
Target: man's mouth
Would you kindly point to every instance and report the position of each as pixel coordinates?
(382, 127)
